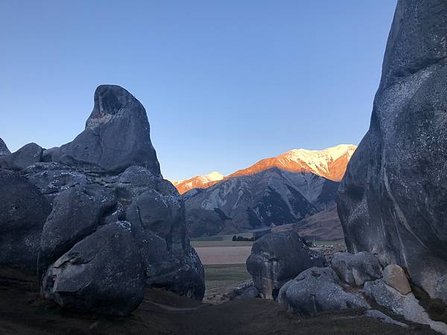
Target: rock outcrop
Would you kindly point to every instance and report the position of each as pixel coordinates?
(103, 144)
(3, 148)
(393, 196)
(23, 211)
(318, 290)
(278, 257)
(95, 216)
(102, 273)
(405, 305)
(27, 155)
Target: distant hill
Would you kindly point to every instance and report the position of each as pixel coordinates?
(329, 163)
(271, 197)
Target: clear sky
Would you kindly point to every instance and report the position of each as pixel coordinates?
(225, 82)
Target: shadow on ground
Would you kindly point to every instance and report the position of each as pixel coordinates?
(23, 312)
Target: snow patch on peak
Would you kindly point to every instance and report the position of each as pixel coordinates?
(328, 153)
(214, 176)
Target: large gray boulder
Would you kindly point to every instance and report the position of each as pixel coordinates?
(95, 216)
(278, 257)
(77, 213)
(392, 201)
(23, 211)
(4, 148)
(103, 145)
(318, 290)
(102, 273)
(405, 305)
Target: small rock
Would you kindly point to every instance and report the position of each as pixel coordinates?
(395, 276)
(356, 269)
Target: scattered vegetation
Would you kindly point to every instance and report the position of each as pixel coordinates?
(242, 239)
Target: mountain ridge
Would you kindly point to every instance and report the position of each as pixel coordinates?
(329, 163)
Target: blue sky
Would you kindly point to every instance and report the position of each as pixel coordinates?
(225, 83)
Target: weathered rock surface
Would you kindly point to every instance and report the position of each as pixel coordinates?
(95, 216)
(23, 211)
(406, 305)
(103, 144)
(52, 178)
(4, 148)
(356, 269)
(27, 155)
(102, 273)
(392, 201)
(318, 290)
(277, 258)
(77, 213)
(394, 276)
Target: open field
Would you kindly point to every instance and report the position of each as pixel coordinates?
(223, 255)
(225, 275)
(224, 262)
(224, 243)
(222, 250)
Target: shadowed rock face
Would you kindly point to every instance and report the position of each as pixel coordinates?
(393, 198)
(95, 217)
(278, 257)
(3, 148)
(103, 144)
(23, 211)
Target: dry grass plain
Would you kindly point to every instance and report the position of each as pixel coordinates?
(224, 262)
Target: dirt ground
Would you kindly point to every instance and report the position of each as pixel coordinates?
(23, 312)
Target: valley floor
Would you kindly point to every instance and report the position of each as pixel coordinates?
(23, 312)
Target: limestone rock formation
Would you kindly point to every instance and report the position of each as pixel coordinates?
(394, 276)
(27, 155)
(23, 211)
(405, 305)
(3, 148)
(95, 216)
(278, 257)
(102, 273)
(393, 196)
(318, 290)
(103, 144)
(356, 269)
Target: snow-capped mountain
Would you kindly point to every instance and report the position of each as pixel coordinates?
(210, 179)
(329, 163)
(271, 197)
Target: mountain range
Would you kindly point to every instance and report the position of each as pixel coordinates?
(277, 191)
(329, 163)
